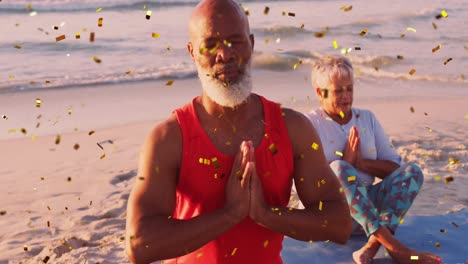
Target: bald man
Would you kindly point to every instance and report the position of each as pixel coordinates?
(214, 179)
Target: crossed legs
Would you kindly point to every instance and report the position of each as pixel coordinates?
(378, 210)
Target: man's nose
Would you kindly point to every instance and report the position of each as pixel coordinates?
(224, 53)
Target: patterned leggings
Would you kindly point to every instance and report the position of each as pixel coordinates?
(382, 204)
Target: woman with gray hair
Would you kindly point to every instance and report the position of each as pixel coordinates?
(358, 151)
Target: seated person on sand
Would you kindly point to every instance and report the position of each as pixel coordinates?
(358, 150)
(214, 179)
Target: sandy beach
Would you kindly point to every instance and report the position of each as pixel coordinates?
(69, 205)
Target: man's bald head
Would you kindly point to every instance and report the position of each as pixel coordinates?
(209, 12)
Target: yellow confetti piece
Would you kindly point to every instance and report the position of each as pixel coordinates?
(315, 146)
(29, 7)
(57, 140)
(17, 47)
(447, 61)
(91, 37)
(155, 35)
(363, 32)
(402, 221)
(25, 247)
(412, 71)
(266, 10)
(444, 13)
(77, 35)
(411, 29)
(414, 258)
(11, 76)
(437, 48)
(297, 64)
(199, 254)
(246, 11)
(96, 59)
(437, 244)
(148, 14)
(22, 130)
(100, 22)
(227, 43)
(33, 13)
(265, 244)
(215, 163)
(453, 161)
(5, 117)
(342, 115)
(169, 82)
(338, 153)
(466, 116)
(60, 38)
(233, 251)
(346, 8)
(351, 178)
(320, 206)
(302, 25)
(335, 44)
(448, 179)
(103, 155)
(38, 102)
(273, 149)
(99, 9)
(11, 131)
(437, 178)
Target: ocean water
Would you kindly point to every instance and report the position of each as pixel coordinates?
(399, 36)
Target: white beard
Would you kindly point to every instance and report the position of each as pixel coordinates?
(231, 95)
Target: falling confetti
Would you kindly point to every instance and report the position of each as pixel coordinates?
(453, 161)
(363, 32)
(297, 64)
(414, 257)
(320, 206)
(3, 212)
(69, 179)
(155, 35)
(76, 146)
(103, 155)
(25, 247)
(17, 47)
(38, 102)
(412, 109)
(434, 25)
(22, 130)
(444, 13)
(100, 22)
(148, 14)
(91, 132)
(233, 251)
(55, 27)
(412, 71)
(436, 48)
(5, 117)
(302, 25)
(338, 153)
(91, 37)
(77, 36)
(99, 9)
(411, 29)
(454, 224)
(57, 140)
(60, 38)
(351, 178)
(335, 44)
(215, 163)
(315, 146)
(265, 244)
(437, 244)
(443, 231)
(342, 115)
(448, 179)
(447, 61)
(96, 59)
(266, 10)
(400, 57)
(346, 8)
(320, 34)
(291, 14)
(273, 149)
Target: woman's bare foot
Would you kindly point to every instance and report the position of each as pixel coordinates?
(410, 256)
(367, 252)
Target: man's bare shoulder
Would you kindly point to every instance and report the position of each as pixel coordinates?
(295, 120)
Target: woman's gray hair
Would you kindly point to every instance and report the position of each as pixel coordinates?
(330, 68)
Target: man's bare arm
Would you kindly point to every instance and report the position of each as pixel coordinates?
(151, 233)
(326, 215)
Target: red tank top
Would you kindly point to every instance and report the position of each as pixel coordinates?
(201, 188)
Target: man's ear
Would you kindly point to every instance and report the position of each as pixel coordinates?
(252, 40)
(190, 50)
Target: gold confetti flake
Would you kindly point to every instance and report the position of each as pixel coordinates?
(466, 116)
(215, 163)
(363, 32)
(233, 251)
(443, 231)
(25, 247)
(428, 129)
(169, 82)
(246, 11)
(57, 140)
(302, 25)
(412, 109)
(412, 71)
(55, 27)
(3, 212)
(273, 149)
(266, 10)
(60, 38)
(351, 178)
(400, 57)
(69, 179)
(96, 59)
(414, 258)
(411, 29)
(320, 206)
(11, 76)
(454, 224)
(102, 156)
(437, 244)
(453, 161)
(155, 35)
(48, 223)
(5, 117)
(76, 146)
(346, 8)
(227, 43)
(291, 14)
(199, 254)
(99, 9)
(320, 34)
(23, 130)
(100, 22)
(342, 115)
(448, 179)
(265, 244)
(447, 61)
(204, 161)
(11, 131)
(434, 25)
(297, 64)
(402, 221)
(17, 47)
(77, 35)
(148, 14)
(91, 132)
(339, 153)
(33, 13)
(315, 146)
(38, 102)
(444, 13)
(91, 37)
(437, 48)
(437, 178)
(335, 44)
